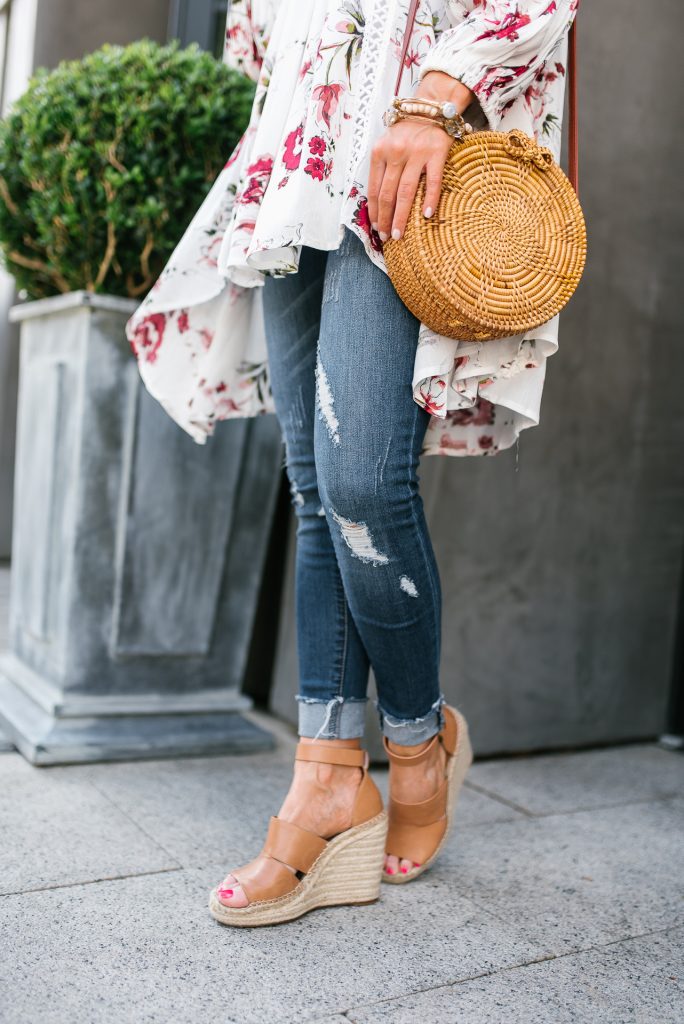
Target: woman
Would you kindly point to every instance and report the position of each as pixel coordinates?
(277, 299)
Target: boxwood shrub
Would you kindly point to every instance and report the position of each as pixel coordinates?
(104, 161)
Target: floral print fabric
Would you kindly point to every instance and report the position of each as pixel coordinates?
(325, 73)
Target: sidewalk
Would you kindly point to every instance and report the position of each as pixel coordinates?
(559, 899)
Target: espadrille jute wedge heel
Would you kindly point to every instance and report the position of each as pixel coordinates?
(418, 831)
(329, 872)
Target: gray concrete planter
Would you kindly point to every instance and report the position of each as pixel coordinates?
(137, 554)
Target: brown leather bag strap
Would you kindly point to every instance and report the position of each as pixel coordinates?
(573, 125)
(410, 21)
(573, 134)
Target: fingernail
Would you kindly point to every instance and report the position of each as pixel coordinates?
(428, 211)
(383, 236)
(404, 870)
(396, 234)
(374, 226)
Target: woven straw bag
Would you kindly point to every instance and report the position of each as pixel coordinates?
(506, 247)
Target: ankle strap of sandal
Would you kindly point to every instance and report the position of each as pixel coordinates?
(410, 759)
(331, 755)
(448, 736)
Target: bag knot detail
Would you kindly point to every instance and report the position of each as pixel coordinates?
(522, 147)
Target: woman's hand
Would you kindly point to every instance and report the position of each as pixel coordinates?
(404, 152)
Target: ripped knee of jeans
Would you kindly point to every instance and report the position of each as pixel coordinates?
(325, 402)
(358, 539)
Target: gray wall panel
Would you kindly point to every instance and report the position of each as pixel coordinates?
(65, 33)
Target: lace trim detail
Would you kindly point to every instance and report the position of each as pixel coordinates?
(374, 57)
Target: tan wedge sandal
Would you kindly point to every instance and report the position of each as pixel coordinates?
(341, 870)
(417, 832)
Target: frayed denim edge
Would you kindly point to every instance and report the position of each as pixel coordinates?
(408, 732)
(340, 718)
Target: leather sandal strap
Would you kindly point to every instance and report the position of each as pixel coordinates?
(425, 812)
(265, 879)
(331, 755)
(368, 801)
(409, 760)
(449, 735)
(292, 845)
(416, 844)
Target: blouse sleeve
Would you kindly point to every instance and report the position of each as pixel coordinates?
(248, 29)
(499, 47)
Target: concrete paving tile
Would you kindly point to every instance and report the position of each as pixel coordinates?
(202, 810)
(337, 1019)
(574, 880)
(556, 783)
(636, 982)
(58, 829)
(211, 810)
(476, 808)
(145, 949)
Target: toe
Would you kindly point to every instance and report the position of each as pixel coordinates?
(231, 894)
(405, 866)
(391, 864)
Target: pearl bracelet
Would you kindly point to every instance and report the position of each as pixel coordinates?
(440, 113)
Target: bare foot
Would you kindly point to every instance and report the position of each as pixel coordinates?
(411, 784)
(320, 799)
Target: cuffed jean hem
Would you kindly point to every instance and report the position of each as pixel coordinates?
(341, 718)
(408, 732)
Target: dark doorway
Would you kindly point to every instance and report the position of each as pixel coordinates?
(199, 21)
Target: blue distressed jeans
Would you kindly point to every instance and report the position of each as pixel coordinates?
(341, 347)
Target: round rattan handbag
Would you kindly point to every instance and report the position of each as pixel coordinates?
(505, 248)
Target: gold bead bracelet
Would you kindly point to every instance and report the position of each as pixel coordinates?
(442, 113)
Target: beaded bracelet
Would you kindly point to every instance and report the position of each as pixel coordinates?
(443, 114)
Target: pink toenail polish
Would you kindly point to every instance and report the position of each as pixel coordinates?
(416, 865)
(390, 871)
(225, 892)
(404, 870)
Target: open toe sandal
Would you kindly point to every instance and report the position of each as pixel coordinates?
(417, 832)
(329, 872)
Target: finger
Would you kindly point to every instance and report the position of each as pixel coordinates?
(387, 197)
(434, 172)
(406, 192)
(377, 171)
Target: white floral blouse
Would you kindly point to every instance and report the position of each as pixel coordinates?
(326, 71)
